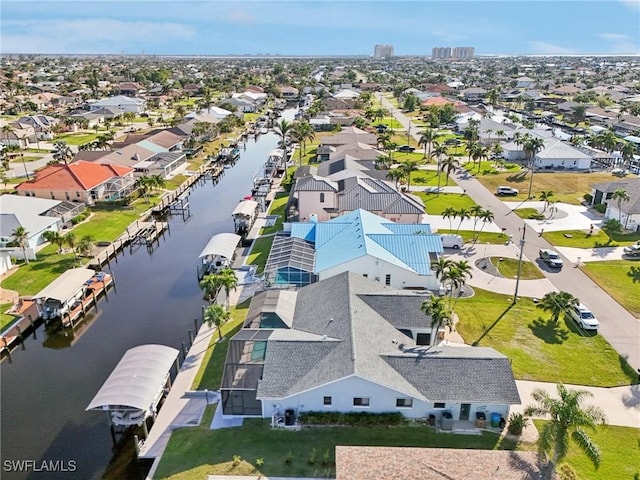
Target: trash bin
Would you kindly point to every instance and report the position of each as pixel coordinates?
(481, 420)
(495, 420)
(447, 421)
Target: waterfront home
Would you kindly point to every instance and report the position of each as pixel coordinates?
(80, 181)
(629, 211)
(350, 344)
(395, 254)
(121, 102)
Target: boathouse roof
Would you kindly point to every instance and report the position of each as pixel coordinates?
(223, 244)
(66, 285)
(137, 379)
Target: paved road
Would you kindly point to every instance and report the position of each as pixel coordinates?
(617, 325)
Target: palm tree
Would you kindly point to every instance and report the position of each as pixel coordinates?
(545, 196)
(439, 313)
(427, 136)
(620, 195)
(228, 281)
(396, 174)
(459, 272)
(627, 151)
(449, 165)
(568, 420)
(486, 216)
(380, 113)
(557, 303)
(449, 213)
(53, 236)
(70, 240)
(441, 268)
(62, 152)
(611, 227)
(216, 315)
(283, 129)
(463, 214)
(144, 184)
(85, 245)
(439, 151)
(211, 285)
(531, 147)
(407, 168)
(20, 237)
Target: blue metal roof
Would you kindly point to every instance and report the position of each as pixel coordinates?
(411, 228)
(412, 250)
(304, 230)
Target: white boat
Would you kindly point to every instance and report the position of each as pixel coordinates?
(64, 293)
(218, 254)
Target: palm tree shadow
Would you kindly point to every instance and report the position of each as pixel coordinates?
(634, 274)
(549, 331)
(486, 332)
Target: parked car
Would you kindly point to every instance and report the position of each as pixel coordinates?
(550, 257)
(503, 190)
(584, 317)
(452, 141)
(406, 148)
(632, 250)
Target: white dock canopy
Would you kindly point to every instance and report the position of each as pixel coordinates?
(276, 152)
(135, 382)
(66, 285)
(246, 208)
(223, 245)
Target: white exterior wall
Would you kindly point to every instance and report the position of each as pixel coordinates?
(567, 163)
(381, 399)
(630, 222)
(377, 269)
(309, 202)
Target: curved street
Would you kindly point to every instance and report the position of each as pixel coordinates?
(617, 325)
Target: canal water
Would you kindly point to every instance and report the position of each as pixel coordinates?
(48, 385)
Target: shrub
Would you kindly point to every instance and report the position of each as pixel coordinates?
(363, 419)
(517, 422)
(312, 457)
(80, 217)
(236, 460)
(536, 216)
(600, 207)
(588, 197)
(567, 473)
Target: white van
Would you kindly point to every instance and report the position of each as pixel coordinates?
(451, 240)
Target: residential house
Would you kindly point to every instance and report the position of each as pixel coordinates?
(42, 125)
(326, 199)
(556, 154)
(36, 216)
(628, 212)
(80, 181)
(346, 94)
(214, 113)
(289, 93)
(349, 135)
(349, 344)
(397, 254)
(121, 102)
(525, 82)
(128, 89)
(474, 94)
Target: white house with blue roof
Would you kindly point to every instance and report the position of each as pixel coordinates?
(394, 254)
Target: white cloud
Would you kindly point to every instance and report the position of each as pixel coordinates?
(635, 4)
(619, 43)
(92, 35)
(544, 48)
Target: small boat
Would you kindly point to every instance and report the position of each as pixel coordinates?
(218, 254)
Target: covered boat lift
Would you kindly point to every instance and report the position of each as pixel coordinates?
(244, 215)
(136, 385)
(61, 295)
(218, 253)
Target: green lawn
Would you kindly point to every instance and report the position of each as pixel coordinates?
(76, 138)
(390, 122)
(210, 374)
(620, 447)
(436, 204)
(483, 237)
(175, 182)
(538, 349)
(527, 213)
(582, 239)
(194, 453)
(508, 267)
(5, 318)
(429, 178)
(260, 253)
(108, 224)
(277, 207)
(620, 279)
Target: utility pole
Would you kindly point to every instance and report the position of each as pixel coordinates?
(515, 295)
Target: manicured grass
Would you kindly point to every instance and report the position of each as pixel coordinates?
(620, 453)
(429, 178)
(107, 225)
(260, 253)
(194, 453)
(566, 187)
(5, 318)
(483, 237)
(30, 278)
(76, 138)
(508, 267)
(620, 279)
(538, 349)
(580, 239)
(390, 122)
(436, 204)
(175, 182)
(277, 207)
(486, 167)
(527, 213)
(210, 374)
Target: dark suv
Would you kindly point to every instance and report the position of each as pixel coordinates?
(406, 148)
(551, 258)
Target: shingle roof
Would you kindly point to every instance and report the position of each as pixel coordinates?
(631, 186)
(315, 184)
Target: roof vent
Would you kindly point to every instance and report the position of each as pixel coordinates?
(324, 338)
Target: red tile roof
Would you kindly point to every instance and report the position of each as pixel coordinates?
(80, 175)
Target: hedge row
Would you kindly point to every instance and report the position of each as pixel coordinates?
(364, 419)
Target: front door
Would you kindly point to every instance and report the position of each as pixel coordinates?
(464, 411)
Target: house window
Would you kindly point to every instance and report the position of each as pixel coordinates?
(78, 194)
(326, 401)
(365, 275)
(53, 196)
(387, 280)
(439, 405)
(360, 401)
(321, 197)
(404, 402)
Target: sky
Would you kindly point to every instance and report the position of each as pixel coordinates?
(297, 27)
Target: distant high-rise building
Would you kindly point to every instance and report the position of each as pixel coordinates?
(383, 51)
(456, 53)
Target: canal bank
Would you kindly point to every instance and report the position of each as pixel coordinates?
(45, 390)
